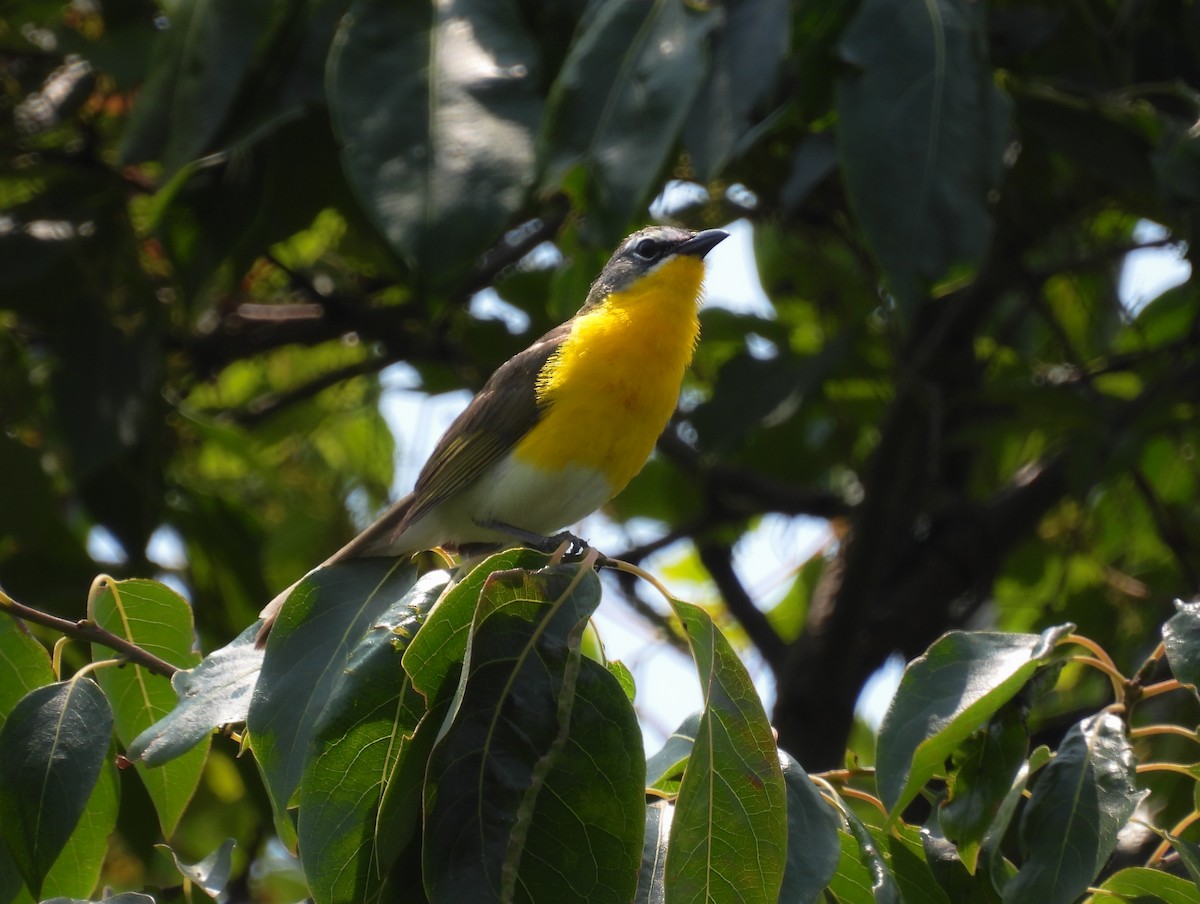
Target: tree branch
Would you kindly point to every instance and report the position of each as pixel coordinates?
(717, 559)
(89, 632)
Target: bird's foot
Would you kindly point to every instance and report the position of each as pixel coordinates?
(562, 544)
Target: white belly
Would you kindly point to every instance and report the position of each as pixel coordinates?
(515, 494)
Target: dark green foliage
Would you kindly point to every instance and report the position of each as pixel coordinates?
(220, 221)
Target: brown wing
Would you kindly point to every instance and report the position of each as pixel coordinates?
(495, 420)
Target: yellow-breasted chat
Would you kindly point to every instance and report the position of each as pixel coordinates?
(560, 428)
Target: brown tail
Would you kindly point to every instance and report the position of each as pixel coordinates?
(382, 530)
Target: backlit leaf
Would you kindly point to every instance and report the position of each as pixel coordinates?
(728, 836)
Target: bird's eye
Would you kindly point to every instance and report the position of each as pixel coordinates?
(646, 249)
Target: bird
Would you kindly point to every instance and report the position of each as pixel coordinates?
(562, 427)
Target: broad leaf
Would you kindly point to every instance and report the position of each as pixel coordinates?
(440, 646)
(536, 787)
(210, 874)
(665, 768)
(651, 886)
(748, 46)
(1079, 804)
(619, 101)
(862, 875)
(728, 837)
(200, 64)
(435, 105)
(309, 647)
(1138, 885)
(79, 866)
(918, 73)
(362, 738)
(980, 781)
(159, 621)
(214, 693)
(812, 825)
(1189, 856)
(1181, 638)
(944, 696)
(52, 750)
(24, 664)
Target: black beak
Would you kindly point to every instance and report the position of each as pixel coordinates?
(702, 242)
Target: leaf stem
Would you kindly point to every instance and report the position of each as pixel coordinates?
(1098, 651)
(1146, 731)
(1114, 675)
(1174, 832)
(1178, 768)
(1162, 687)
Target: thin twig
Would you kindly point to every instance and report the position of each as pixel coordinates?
(89, 632)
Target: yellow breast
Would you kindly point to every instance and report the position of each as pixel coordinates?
(614, 382)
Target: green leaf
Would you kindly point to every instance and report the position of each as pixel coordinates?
(1189, 856)
(52, 750)
(199, 66)
(982, 778)
(214, 693)
(665, 769)
(310, 645)
(536, 787)
(435, 106)
(812, 825)
(78, 867)
(748, 45)
(159, 621)
(948, 870)
(1080, 801)
(944, 696)
(863, 875)
(1138, 885)
(998, 867)
(619, 102)
(651, 888)
(914, 876)
(728, 835)
(439, 647)
(211, 874)
(920, 76)
(1181, 639)
(24, 664)
(362, 739)
(621, 672)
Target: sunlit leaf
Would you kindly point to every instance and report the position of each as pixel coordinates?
(159, 621)
(538, 781)
(944, 696)
(619, 101)
(362, 738)
(24, 664)
(214, 693)
(1080, 802)
(981, 780)
(311, 643)
(436, 106)
(1139, 885)
(211, 874)
(728, 835)
(1181, 638)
